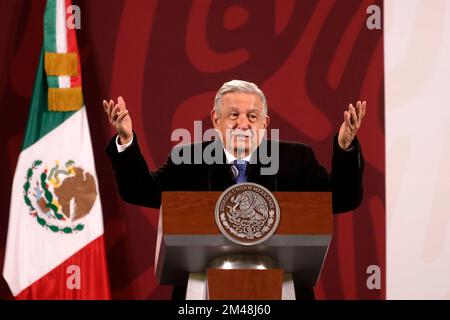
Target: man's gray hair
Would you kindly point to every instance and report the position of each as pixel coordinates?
(239, 86)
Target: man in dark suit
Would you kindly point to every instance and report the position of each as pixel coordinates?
(240, 117)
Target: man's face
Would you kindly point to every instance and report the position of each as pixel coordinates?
(241, 122)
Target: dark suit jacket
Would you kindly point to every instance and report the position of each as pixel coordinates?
(298, 171)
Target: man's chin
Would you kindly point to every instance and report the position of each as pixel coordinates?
(242, 151)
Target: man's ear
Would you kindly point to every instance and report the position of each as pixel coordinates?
(266, 121)
(214, 118)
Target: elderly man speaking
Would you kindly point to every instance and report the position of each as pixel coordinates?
(240, 117)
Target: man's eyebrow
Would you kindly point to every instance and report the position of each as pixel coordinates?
(232, 109)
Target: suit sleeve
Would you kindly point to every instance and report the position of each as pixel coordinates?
(345, 180)
(136, 183)
(347, 177)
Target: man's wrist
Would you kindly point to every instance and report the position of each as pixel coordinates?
(347, 148)
(343, 147)
(121, 147)
(125, 139)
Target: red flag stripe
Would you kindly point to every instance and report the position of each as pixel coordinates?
(59, 283)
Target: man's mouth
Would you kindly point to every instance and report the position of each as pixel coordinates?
(241, 135)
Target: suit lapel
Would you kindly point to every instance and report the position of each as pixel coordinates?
(220, 174)
(254, 171)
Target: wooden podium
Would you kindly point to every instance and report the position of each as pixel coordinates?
(190, 246)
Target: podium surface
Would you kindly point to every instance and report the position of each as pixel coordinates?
(189, 239)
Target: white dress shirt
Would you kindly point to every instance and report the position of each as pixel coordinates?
(123, 147)
(230, 160)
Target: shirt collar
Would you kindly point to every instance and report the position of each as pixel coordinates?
(231, 158)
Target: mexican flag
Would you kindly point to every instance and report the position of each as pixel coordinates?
(55, 246)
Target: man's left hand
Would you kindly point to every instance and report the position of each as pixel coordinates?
(352, 122)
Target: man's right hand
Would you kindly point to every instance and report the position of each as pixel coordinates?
(118, 116)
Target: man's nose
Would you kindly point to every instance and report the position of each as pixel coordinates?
(242, 122)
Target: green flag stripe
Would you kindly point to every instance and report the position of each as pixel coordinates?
(40, 120)
(50, 36)
(50, 26)
(52, 81)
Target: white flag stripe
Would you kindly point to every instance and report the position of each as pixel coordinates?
(64, 81)
(61, 27)
(61, 37)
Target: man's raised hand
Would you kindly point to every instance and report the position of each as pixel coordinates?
(119, 117)
(352, 122)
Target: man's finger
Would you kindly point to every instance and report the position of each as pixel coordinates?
(105, 106)
(122, 115)
(121, 104)
(110, 108)
(359, 113)
(114, 112)
(119, 113)
(354, 117)
(363, 110)
(358, 109)
(347, 119)
(349, 115)
(120, 101)
(122, 107)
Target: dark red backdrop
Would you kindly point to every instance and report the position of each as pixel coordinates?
(167, 58)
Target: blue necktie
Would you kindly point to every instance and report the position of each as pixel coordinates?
(241, 165)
